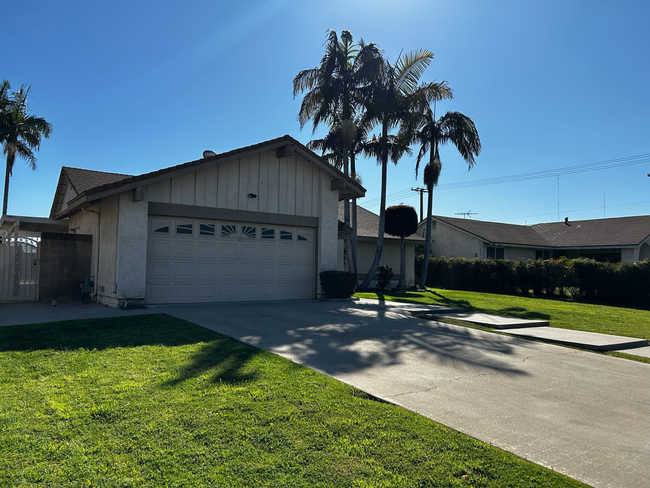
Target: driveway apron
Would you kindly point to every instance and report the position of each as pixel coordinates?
(583, 414)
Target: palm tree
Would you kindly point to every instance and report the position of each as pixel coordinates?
(390, 101)
(333, 91)
(20, 132)
(430, 133)
(331, 148)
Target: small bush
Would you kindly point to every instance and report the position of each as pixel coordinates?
(384, 275)
(338, 284)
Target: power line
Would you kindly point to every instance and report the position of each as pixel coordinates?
(551, 173)
(572, 211)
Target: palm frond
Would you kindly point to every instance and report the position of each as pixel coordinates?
(409, 68)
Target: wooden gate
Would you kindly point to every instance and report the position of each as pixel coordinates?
(19, 262)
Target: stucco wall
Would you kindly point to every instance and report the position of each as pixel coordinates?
(108, 237)
(453, 243)
(132, 249)
(390, 256)
(630, 254)
(644, 250)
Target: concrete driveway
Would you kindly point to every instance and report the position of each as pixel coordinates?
(580, 413)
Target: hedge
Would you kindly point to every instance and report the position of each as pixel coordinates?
(578, 279)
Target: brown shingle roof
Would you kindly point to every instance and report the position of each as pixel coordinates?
(613, 232)
(85, 179)
(497, 232)
(620, 231)
(368, 224)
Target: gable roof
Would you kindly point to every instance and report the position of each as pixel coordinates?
(612, 232)
(368, 225)
(105, 184)
(84, 179)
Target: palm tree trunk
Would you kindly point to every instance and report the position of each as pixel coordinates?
(402, 258)
(353, 174)
(11, 156)
(382, 211)
(355, 268)
(427, 244)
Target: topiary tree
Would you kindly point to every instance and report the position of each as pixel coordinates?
(401, 221)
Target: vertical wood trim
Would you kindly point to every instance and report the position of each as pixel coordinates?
(300, 190)
(244, 169)
(222, 186)
(291, 185)
(200, 185)
(283, 187)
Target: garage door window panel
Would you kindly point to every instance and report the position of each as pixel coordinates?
(160, 226)
(286, 234)
(248, 232)
(184, 228)
(228, 231)
(268, 233)
(208, 230)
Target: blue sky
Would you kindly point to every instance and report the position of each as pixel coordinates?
(131, 87)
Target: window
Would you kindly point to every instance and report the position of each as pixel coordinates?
(185, 229)
(286, 235)
(248, 232)
(160, 226)
(495, 252)
(303, 235)
(228, 230)
(542, 255)
(207, 229)
(268, 233)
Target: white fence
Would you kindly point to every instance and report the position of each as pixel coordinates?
(19, 263)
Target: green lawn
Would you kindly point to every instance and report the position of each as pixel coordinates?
(564, 314)
(155, 401)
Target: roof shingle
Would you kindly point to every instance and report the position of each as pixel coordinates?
(612, 232)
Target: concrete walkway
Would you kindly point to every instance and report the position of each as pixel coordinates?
(534, 329)
(583, 414)
(42, 312)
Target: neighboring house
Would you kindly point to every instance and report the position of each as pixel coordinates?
(614, 239)
(256, 223)
(367, 227)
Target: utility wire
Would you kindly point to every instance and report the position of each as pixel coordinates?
(550, 173)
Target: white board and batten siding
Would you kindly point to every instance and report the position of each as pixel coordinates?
(288, 186)
(201, 259)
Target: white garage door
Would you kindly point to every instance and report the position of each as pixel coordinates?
(209, 261)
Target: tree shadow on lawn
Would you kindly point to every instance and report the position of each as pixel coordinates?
(518, 312)
(229, 358)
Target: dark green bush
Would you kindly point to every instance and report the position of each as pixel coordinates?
(384, 275)
(338, 284)
(581, 279)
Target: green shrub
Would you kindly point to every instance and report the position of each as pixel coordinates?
(581, 279)
(338, 284)
(384, 275)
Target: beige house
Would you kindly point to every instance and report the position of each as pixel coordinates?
(256, 223)
(367, 227)
(614, 239)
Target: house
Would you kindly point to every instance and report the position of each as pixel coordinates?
(367, 228)
(613, 239)
(255, 223)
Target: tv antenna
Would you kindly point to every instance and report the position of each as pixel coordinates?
(467, 214)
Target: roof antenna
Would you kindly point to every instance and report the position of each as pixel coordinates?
(467, 214)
